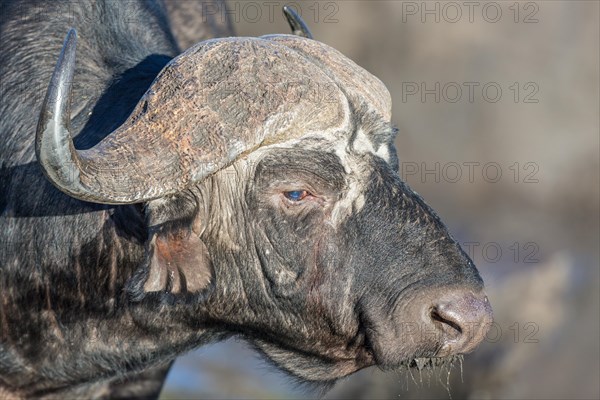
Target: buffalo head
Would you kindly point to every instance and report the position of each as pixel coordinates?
(274, 207)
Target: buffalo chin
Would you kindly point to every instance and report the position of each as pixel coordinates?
(309, 370)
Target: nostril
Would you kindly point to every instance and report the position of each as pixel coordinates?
(449, 325)
(463, 319)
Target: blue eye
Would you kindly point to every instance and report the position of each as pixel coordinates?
(295, 195)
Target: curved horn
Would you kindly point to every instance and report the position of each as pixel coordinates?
(53, 145)
(296, 22)
(99, 175)
(218, 101)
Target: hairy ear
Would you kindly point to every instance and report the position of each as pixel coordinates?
(176, 260)
(179, 263)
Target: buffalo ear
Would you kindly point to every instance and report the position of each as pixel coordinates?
(178, 263)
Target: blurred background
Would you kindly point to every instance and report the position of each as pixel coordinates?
(497, 105)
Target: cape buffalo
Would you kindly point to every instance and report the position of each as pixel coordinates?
(157, 200)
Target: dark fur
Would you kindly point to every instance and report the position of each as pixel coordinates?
(76, 257)
(75, 315)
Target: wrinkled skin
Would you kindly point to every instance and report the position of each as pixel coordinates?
(97, 300)
(349, 262)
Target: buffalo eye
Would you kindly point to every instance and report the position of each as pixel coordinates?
(296, 195)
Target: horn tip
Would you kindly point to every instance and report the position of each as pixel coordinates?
(70, 38)
(296, 22)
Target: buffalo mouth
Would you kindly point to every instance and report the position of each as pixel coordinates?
(329, 362)
(421, 360)
(425, 363)
(431, 329)
(425, 333)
